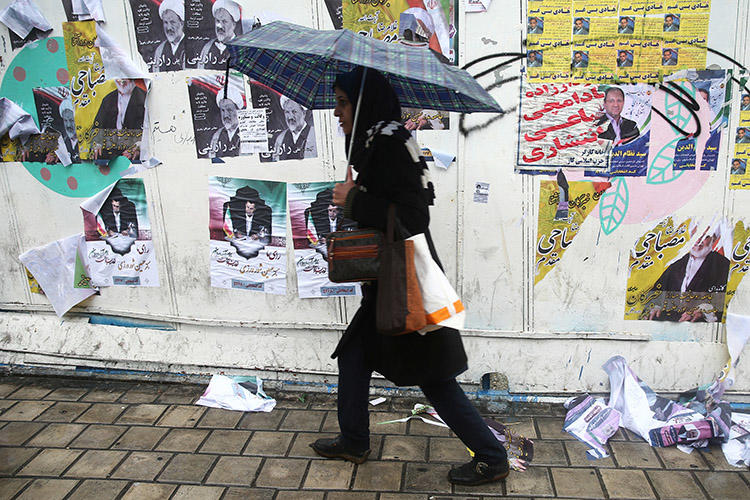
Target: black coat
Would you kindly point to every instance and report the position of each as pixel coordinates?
(389, 175)
(261, 218)
(127, 216)
(106, 117)
(628, 130)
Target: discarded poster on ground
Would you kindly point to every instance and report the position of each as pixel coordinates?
(592, 422)
(520, 449)
(236, 393)
(119, 248)
(247, 231)
(313, 216)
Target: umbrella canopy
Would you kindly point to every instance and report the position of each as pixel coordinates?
(302, 64)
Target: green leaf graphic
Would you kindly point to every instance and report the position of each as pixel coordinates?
(613, 205)
(660, 171)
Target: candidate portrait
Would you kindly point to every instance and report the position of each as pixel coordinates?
(226, 140)
(534, 59)
(669, 57)
(580, 59)
(249, 215)
(738, 167)
(671, 22)
(693, 286)
(624, 59)
(615, 127)
(626, 25)
(745, 103)
(581, 26)
(298, 140)
(170, 53)
(742, 136)
(535, 26)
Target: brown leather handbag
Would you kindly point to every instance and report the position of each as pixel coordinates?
(354, 255)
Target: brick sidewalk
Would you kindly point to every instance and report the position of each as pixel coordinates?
(85, 439)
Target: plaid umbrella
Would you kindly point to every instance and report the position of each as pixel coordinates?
(302, 63)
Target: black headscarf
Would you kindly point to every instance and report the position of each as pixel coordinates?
(379, 103)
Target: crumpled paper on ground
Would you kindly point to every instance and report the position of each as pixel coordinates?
(236, 393)
(22, 16)
(16, 122)
(53, 266)
(592, 422)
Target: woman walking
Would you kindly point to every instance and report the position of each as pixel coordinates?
(390, 171)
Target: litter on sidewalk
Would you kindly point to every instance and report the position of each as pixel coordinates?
(236, 393)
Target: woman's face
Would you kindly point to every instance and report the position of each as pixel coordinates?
(344, 110)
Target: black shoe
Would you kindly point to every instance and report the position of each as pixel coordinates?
(335, 448)
(476, 472)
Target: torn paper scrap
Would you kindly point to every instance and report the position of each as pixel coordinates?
(519, 448)
(89, 9)
(16, 122)
(417, 412)
(640, 408)
(53, 266)
(474, 6)
(22, 16)
(443, 159)
(737, 449)
(591, 421)
(377, 401)
(236, 393)
(481, 192)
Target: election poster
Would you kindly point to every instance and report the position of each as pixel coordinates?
(601, 128)
(563, 207)
(427, 23)
(119, 246)
(215, 109)
(606, 41)
(247, 228)
(680, 272)
(740, 259)
(739, 171)
(313, 217)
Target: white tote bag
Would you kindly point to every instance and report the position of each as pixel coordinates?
(442, 306)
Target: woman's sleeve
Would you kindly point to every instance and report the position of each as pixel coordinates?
(394, 178)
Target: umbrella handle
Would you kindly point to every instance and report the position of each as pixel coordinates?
(356, 114)
(226, 79)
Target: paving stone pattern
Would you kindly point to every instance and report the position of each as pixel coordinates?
(99, 439)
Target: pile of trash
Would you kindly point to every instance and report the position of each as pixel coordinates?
(698, 418)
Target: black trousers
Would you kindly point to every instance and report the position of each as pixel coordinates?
(446, 397)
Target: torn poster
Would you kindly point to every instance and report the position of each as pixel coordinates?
(247, 228)
(737, 449)
(739, 260)
(53, 267)
(592, 422)
(563, 207)
(481, 192)
(658, 420)
(313, 217)
(739, 177)
(477, 6)
(425, 23)
(290, 126)
(23, 16)
(335, 11)
(54, 109)
(236, 393)
(89, 9)
(15, 122)
(602, 128)
(667, 285)
(630, 41)
(425, 119)
(216, 112)
(119, 248)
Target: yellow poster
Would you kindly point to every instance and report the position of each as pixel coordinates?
(740, 260)
(86, 71)
(427, 23)
(648, 260)
(559, 222)
(601, 41)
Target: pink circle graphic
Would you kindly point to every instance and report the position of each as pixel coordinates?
(19, 73)
(52, 45)
(72, 183)
(46, 174)
(62, 75)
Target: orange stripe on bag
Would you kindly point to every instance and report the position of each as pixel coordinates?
(444, 313)
(458, 306)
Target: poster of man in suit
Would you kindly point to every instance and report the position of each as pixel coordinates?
(313, 218)
(119, 120)
(682, 271)
(119, 248)
(247, 230)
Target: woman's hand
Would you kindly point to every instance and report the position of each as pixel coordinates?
(341, 189)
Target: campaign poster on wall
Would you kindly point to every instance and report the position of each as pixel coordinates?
(563, 207)
(680, 272)
(54, 109)
(119, 246)
(608, 41)
(602, 128)
(739, 170)
(247, 230)
(216, 109)
(314, 216)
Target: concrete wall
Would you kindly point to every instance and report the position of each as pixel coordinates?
(551, 338)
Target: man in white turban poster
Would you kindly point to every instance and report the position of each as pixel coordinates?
(227, 24)
(170, 53)
(226, 140)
